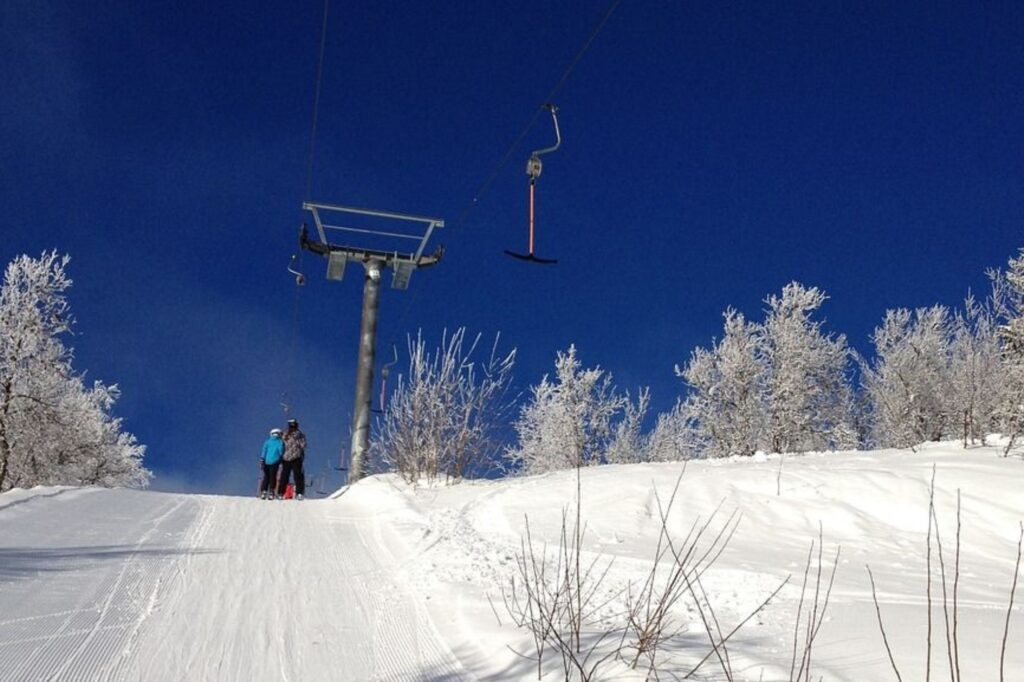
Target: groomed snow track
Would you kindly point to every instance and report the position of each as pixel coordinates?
(130, 585)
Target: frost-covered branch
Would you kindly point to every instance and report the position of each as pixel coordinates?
(54, 429)
(575, 420)
(440, 420)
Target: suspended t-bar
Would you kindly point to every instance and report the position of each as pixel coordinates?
(374, 260)
(533, 170)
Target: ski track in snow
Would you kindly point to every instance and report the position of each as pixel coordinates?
(208, 588)
(306, 591)
(103, 553)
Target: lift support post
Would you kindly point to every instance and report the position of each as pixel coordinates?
(374, 261)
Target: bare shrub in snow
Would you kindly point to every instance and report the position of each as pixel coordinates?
(811, 620)
(557, 600)
(950, 585)
(554, 594)
(441, 418)
(651, 607)
(571, 421)
(54, 429)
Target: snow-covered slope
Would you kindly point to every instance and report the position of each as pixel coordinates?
(388, 581)
(871, 506)
(128, 585)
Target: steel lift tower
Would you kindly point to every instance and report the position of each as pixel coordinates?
(375, 261)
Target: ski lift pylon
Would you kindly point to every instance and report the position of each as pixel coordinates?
(533, 170)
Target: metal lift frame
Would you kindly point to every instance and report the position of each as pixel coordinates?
(402, 263)
(374, 262)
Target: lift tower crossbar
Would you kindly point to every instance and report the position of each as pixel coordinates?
(374, 260)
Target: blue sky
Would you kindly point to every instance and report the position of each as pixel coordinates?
(712, 153)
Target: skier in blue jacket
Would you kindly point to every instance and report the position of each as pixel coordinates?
(270, 460)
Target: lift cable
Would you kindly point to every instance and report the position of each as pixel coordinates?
(486, 185)
(295, 264)
(316, 101)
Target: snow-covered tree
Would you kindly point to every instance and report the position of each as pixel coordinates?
(908, 381)
(675, 436)
(977, 378)
(569, 421)
(1012, 300)
(54, 430)
(441, 418)
(807, 395)
(629, 444)
(1008, 294)
(726, 401)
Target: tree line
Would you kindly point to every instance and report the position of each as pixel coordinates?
(779, 385)
(782, 384)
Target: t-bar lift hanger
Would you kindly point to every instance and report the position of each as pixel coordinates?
(533, 169)
(300, 279)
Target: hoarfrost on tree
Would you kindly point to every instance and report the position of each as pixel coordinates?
(54, 429)
(725, 404)
(909, 378)
(976, 375)
(441, 418)
(808, 397)
(573, 420)
(1008, 294)
(779, 386)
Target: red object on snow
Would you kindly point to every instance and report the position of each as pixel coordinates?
(289, 491)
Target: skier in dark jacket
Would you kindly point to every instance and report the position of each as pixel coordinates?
(294, 455)
(270, 461)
